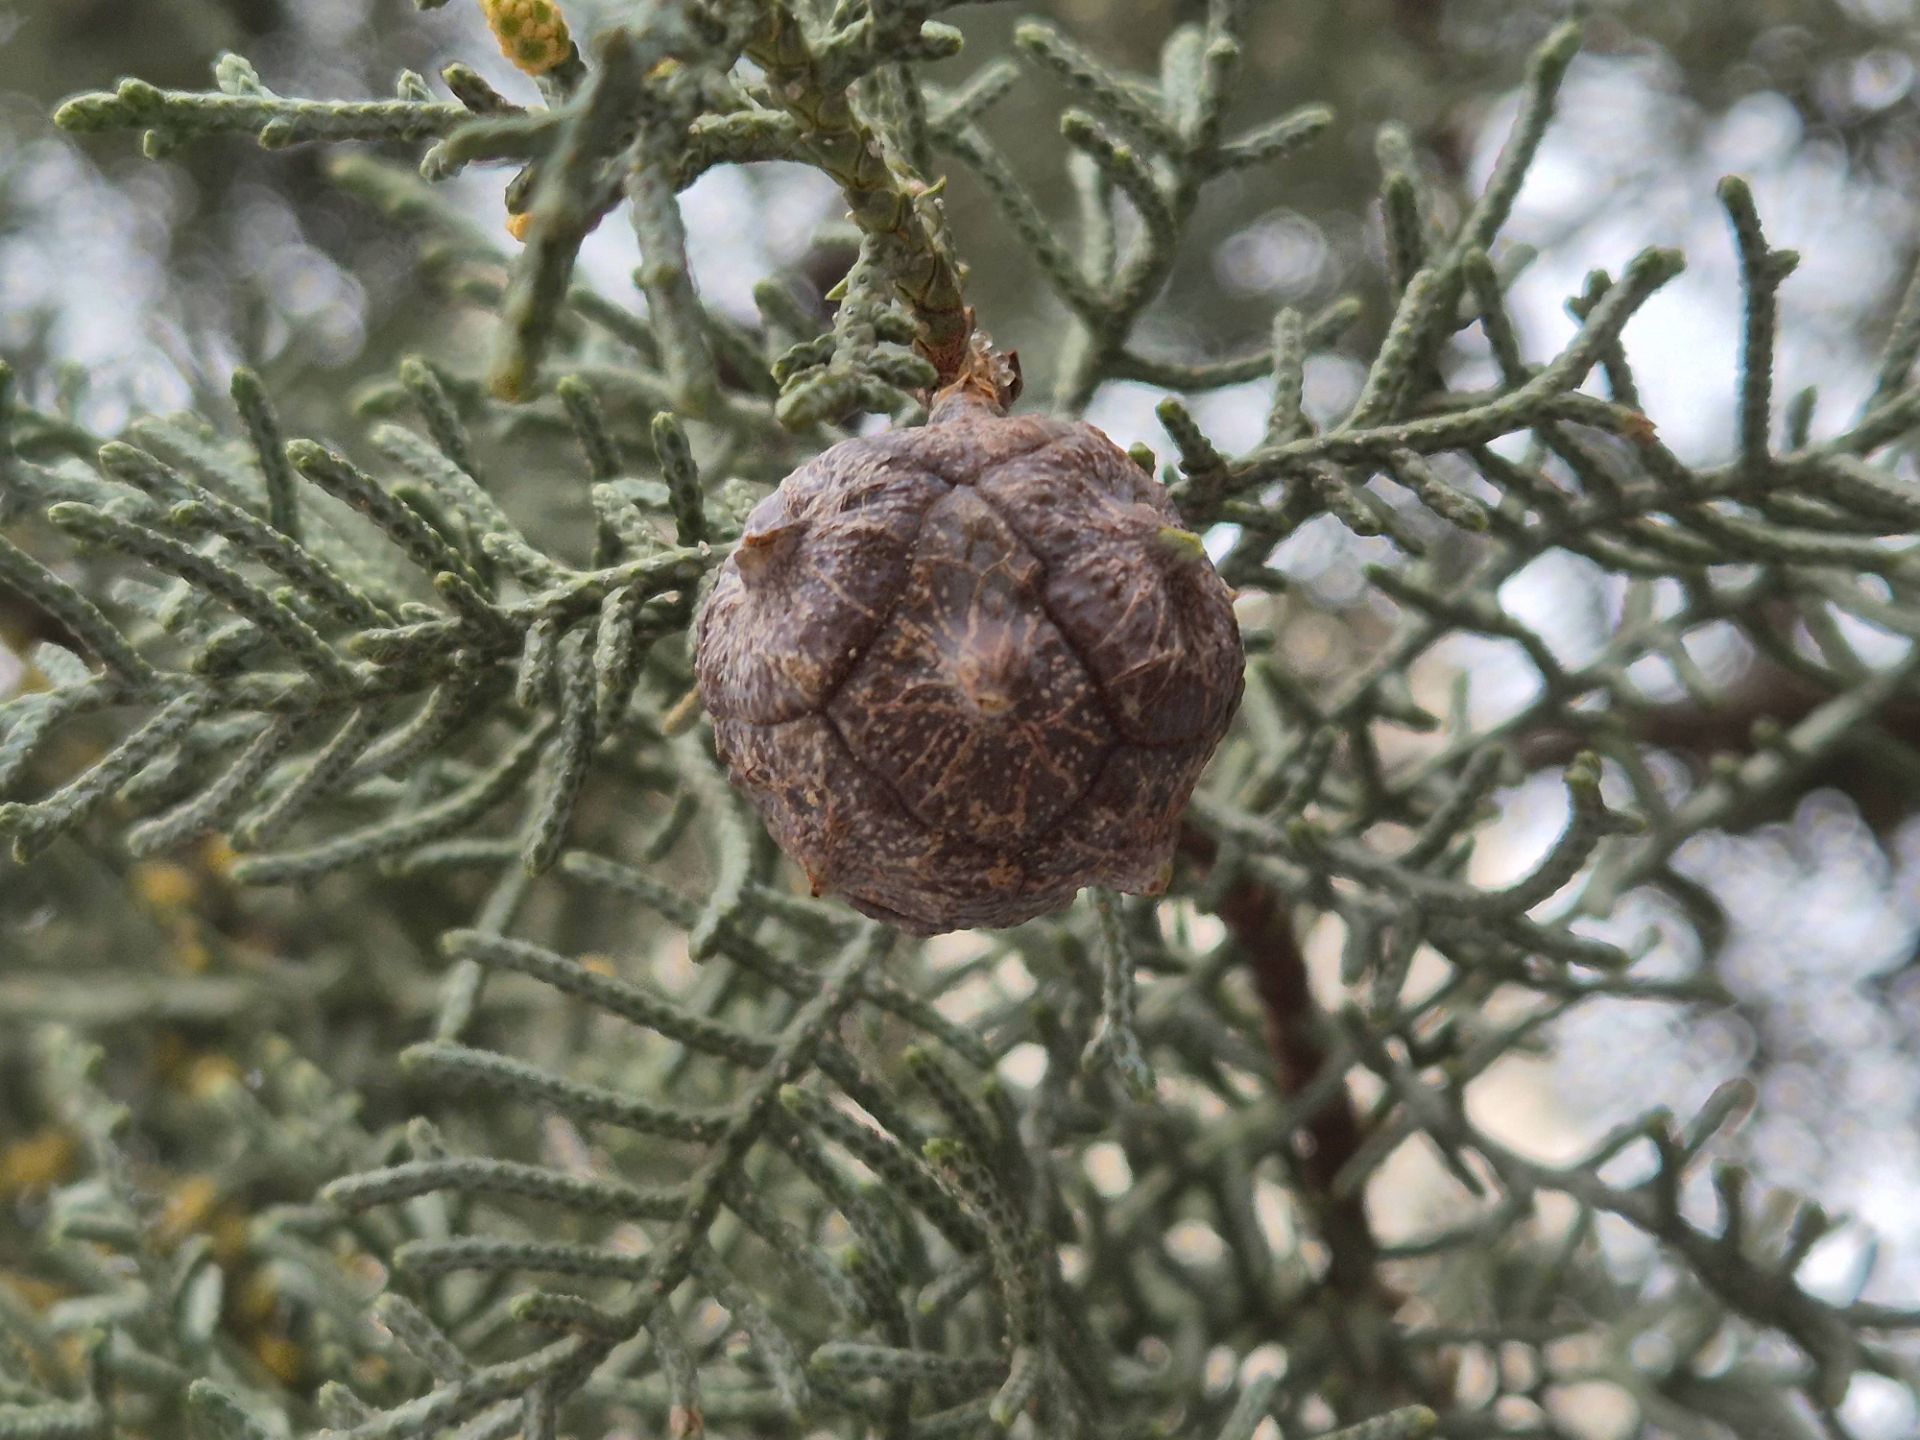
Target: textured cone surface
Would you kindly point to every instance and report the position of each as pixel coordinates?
(961, 671)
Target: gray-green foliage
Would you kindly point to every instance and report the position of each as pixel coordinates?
(799, 1187)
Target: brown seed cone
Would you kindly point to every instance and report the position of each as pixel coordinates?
(966, 669)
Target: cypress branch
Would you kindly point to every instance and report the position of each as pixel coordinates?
(803, 1178)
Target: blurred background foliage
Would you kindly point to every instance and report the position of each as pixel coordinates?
(224, 251)
(128, 285)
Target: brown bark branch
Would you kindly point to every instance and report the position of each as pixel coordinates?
(1328, 1137)
(1764, 694)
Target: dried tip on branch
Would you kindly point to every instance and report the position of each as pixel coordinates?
(680, 718)
(1553, 57)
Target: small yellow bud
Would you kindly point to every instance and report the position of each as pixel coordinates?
(189, 952)
(259, 1297)
(189, 1206)
(36, 1294)
(532, 33)
(37, 1163)
(209, 1075)
(165, 887)
(286, 1361)
(218, 856)
(232, 1232)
